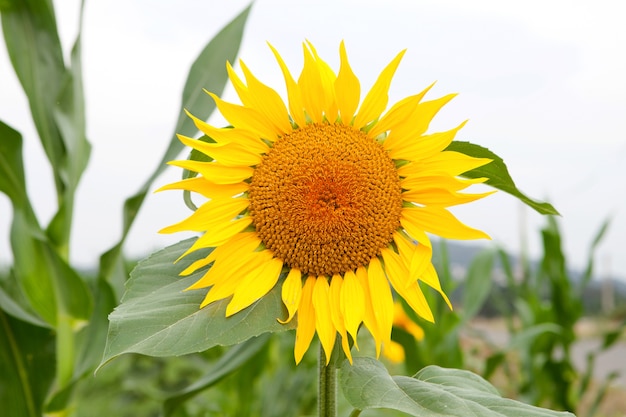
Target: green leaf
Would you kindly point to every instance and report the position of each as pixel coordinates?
(12, 181)
(432, 392)
(497, 174)
(157, 317)
(33, 44)
(207, 72)
(234, 359)
(69, 114)
(478, 283)
(27, 363)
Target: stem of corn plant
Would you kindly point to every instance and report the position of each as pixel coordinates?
(327, 382)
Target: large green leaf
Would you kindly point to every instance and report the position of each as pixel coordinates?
(157, 317)
(33, 44)
(432, 392)
(207, 72)
(26, 352)
(497, 174)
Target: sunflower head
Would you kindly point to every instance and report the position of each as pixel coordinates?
(330, 196)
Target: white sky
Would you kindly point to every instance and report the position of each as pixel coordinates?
(541, 83)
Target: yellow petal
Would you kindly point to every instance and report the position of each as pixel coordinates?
(417, 148)
(312, 88)
(417, 257)
(219, 234)
(327, 77)
(399, 115)
(441, 222)
(207, 188)
(431, 279)
(347, 88)
(418, 122)
(411, 292)
(216, 172)
(444, 163)
(226, 284)
(296, 105)
(368, 318)
(440, 181)
(240, 243)
(229, 154)
(254, 285)
(417, 233)
(306, 320)
(267, 101)
(334, 298)
(352, 304)
(441, 197)
(382, 303)
(210, 214)
(323, 322)
(246, 118)
(226, 135)
(292, 293)
(376, 99)
(224, 267)
(240, 86)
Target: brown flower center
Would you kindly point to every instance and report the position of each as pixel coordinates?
(326, 199)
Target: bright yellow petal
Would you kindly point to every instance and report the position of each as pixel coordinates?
(412, 293)
(327, 77)
(230, 154)
(312, 86)
(352, 304)
(368, 318)
(206, 188)
(292, 293)
(210, 214)
(246, 118)
(413, 230)
(216, 172)
(224, 266)
(323, 322)
(242, 137)
(347, 88)
(441, 197)
(417, 148)
(240, 87)
(334, 298)
(376, 99)
(417, 123)
(397, 115)
(239, 243)
(431, 279)
(440, 222)
(296, 105)
(254, 285)
(444, 163)
(226, 284)
(417, 257)
(267, 101)
(382, 302)
(220, 234)
(439, 181)
(306, 320)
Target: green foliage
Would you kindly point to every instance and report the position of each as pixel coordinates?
(541, 320)
(54, 319)
(432, 392)
(497, 174)
(158, 317)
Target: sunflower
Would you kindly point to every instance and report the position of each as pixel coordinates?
(329, 195)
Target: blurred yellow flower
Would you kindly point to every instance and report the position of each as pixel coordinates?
(394, 350)
(326, 195)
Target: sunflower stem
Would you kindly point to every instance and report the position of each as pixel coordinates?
(327, 384)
